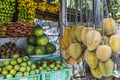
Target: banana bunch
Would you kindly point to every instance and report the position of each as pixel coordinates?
(3, 30)
(52, 8)
(42, 6)
(27, 10)
(7, 10)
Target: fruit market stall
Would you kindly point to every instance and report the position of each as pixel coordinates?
(25, 46)
(92, 49)
(57, 40)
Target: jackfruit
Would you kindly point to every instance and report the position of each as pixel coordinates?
(74, 50)
(105, 40)
(66, 36)
(99, 30)
(93, 39)
(109, 26)
(65, 55)
(83, 34)
(71, 61)
(72, 33)
(79, 60)
(103, 52)
(106, 68)
(91, 58)
(78, 30)
(96, 72)
(115, 43)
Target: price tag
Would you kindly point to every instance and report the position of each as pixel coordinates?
(24, 79)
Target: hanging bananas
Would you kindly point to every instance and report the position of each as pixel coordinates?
(7, 10)
(52, 8)
(27, 10)
(3, 30)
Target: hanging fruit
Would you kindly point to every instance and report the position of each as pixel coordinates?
(51, 8)
(27, 10)
(7, 10)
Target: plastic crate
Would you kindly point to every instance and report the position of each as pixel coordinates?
(1, 60)
(1, 78)
(57, 75)
(35, 58)
(31, 77)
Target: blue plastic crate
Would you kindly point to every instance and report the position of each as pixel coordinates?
(31, 77)
(34, 58)
(57, 75)
(1, 78)
(1, 60)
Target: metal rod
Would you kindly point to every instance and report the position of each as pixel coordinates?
(70, 16)
(112, 9)
(102, 18)
(81, 13)
(106, 6)
(76, 11)
(86, 10)
(65, 13)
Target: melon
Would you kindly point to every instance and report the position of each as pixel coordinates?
(103, 52)
(93, 39)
